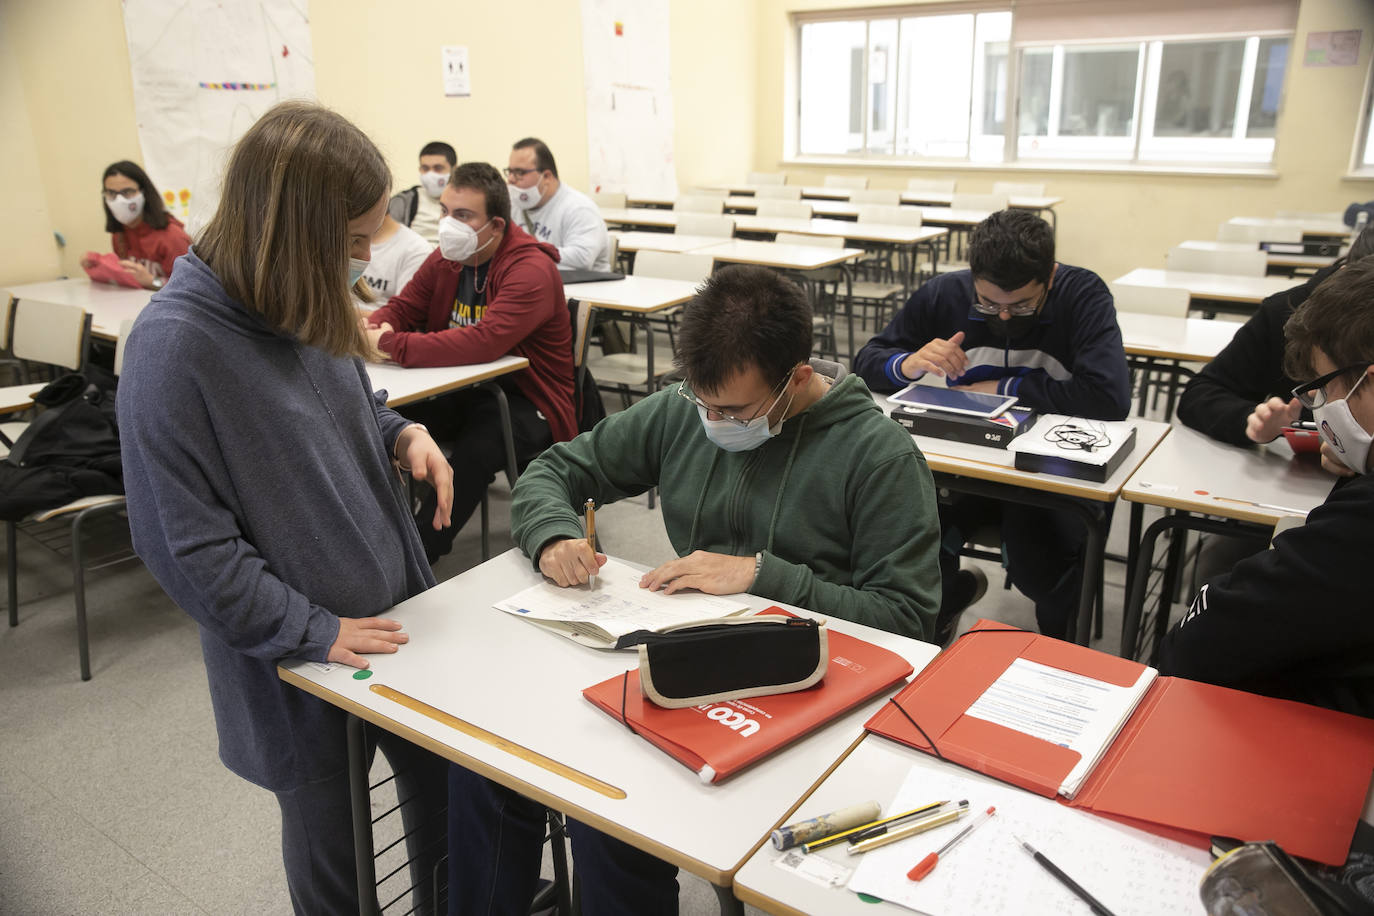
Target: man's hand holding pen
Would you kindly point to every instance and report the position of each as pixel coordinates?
(570, 562)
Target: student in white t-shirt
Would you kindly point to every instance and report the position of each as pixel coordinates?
(418, 206)
(553, 212)
(397, 252)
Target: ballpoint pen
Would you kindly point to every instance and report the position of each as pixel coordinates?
(927, 865)
(1093, 903)
(589, 515)
(926, 823)
(872, 828)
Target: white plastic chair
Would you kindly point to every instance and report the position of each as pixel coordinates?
(932, 185)
(889, 196)
(784, 209)
(1258, 232)
(1019, 188)
(705, 224)
(697, 204)
(777, 192)
(824, 288)
(763, 178)
(890, 215)
(721, 193)
(1239, 263)
(853, 182)
(1151, 300)
(615, 200)
(990, 202)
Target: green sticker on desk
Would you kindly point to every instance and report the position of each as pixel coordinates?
(869, 898)
(362, 675)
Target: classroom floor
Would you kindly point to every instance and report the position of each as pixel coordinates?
(112, 797)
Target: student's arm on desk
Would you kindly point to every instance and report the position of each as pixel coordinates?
(878, 362)
(895, 556)
(1218, 401)
(408, 310)
(1300, 605)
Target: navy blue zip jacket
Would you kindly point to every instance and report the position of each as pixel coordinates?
(262, 498)
(1071, 362)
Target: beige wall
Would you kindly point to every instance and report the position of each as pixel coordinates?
(1115, 222)
(373, 64)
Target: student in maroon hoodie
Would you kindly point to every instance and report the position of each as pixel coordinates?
(490, 290)
(145, 237)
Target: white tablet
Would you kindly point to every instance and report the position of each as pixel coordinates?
(973, 403)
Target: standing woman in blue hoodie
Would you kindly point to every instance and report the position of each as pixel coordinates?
(261, 477)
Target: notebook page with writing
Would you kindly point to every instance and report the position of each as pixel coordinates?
(1133, 873)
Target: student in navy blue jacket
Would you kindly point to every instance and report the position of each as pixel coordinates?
(259, 470)
(1015, 323)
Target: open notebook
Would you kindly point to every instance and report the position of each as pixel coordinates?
(597, 615)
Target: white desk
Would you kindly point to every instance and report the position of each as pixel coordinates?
(522, 685)
(659, 241)
(1275, 259)
(18, 397)
(1221, 287)
(633, 294)
(880, 233)
(640, 216)
(781, 256)
(405, 386)
(1015, 201)
(952, 218)
(876, 770)
(1167, 337)
(109, 305)
(1316, 228)
(840, 209)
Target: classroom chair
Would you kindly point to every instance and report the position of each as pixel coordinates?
(884, 281)
(1262, 232)
(889, 196)
(1019, 188)
(989, 202)
(891, 215)
(932, 185)
(784, 209)
(13, 366)
(1153, 374)
(1240, 263)
(51, 335)
(616, 200)
(721, 193)
(1150, 300)
(765, 178)
(853, 182)
(705, 224)
(696, 204)
(777, 192)
(823, 289)
(1324, 215)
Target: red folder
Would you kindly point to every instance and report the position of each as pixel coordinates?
(717, 740)
(1193, 761)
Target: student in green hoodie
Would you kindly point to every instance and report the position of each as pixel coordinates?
(779, 476)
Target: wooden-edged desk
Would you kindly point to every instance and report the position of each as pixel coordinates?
(1279, 262)
(640, 216)
(676, 243)
(109, 305)
(1310, 227)
(1209, 287)
(503, 697)
(1196, 340)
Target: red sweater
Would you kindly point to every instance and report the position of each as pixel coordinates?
(156, 248)
(526, 315)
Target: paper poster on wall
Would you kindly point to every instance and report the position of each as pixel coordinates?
(203, 72)
(457, 81)
(625, 50)
(1332, 49)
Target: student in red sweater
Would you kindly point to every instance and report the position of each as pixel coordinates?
(488, 291)
(145, 237)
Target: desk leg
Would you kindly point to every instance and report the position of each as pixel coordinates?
(1133, 542)
(1093, 550)
(729, 903)
(361, 802)
(507, 434)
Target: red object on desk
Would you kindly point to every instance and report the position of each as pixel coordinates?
(105, 268)
(717, 740)
(1193, 761)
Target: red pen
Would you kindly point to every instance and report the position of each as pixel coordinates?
(927, 865)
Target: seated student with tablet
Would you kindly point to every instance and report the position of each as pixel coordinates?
(779, 476)
(1016, 323)
(1294, 621)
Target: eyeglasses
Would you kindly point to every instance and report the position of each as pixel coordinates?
(1024, 307)
(684, 392)
(127, 194)
(1313, 394)
(520, 173)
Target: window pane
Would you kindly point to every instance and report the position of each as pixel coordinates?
(1270, 68)
(1037, 65)
(882, 84)
(831, 91)
(935, 77)
(1198, 84)
(1099, 92)
(988, 117)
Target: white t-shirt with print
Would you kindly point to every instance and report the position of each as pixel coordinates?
(394, 262)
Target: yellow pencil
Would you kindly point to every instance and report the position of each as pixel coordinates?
(915, 827)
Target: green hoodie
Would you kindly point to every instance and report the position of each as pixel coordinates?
(841, 501)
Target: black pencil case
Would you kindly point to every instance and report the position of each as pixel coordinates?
(730, 659)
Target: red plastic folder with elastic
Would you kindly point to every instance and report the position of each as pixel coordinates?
(717, 740)
(1192, 762)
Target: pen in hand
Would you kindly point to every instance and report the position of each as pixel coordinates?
(1093, 903)
(589, 512)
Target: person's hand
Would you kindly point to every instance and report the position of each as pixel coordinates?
(570, 562)
(419, 454)
(712, 573)
(945, 358)
(374, 335)
(87, 262)
(1331, 461)
(1267, 420)
(987, 386)
(143, 275)
(370, 635)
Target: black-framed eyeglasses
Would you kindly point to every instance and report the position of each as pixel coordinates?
(127, 194)
(684, 392)
(517, 174)
(1313, 394)
(1022, 308)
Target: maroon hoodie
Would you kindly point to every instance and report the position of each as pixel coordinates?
(525, 315)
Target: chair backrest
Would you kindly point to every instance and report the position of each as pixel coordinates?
(125, 327)
(938, 185)
(1019, 188)
(892, 216)
(614, 253)
(705, 224)
(762, 178)
(777, 192)
(853, 182)
(1326, 215)
(614, 199)
(817, 241)
(722, 193)
(695, 204)
(1241, 263)
(979, 202)
(51, 333)
(889, 196)
(1260, 232)
(1151, 300)
(581, 321)
(787, 209)
(6, 319)
(670, 265)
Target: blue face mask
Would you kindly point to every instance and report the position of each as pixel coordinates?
(733, 437)
(355, 270)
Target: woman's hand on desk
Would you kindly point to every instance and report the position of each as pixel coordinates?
(370, 635)
(419, 454)
(943, 357)
(1267, 420)
(712, 573)
(570, 562)
(143, 275)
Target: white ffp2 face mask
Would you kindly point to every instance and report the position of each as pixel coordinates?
(525, 198)
(126, 209)
(433, 183)
(458, 240)
(1340, 430)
